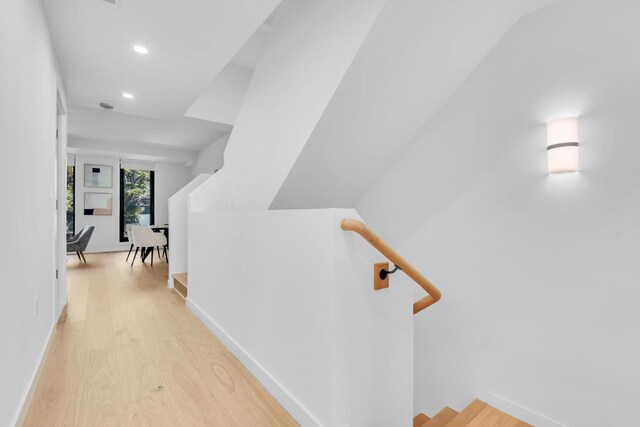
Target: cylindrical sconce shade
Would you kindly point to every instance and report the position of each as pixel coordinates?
(562, 145)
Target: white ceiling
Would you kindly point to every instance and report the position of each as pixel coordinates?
(112, 126)
(190, 42)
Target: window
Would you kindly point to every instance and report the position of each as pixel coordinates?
(71, 201)
(136, 199)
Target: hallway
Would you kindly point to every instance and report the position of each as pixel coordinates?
(129, 353)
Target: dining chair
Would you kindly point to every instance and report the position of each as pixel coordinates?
(80, 241)
(127, 228)
(144, 238)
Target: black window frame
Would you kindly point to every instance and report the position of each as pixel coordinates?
(152, 179)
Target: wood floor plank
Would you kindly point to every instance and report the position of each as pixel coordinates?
(139, 377)
(99, 399)
(98, 325)
(77, 307)
(140, 357)
(152, 411)
(55, 397)
(223, 374)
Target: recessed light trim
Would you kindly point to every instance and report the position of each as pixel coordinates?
(127, 95)
(141, 49)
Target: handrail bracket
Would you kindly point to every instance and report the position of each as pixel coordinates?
(381, 270)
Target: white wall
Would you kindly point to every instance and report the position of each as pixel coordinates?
(106, 235)
(415, 57)
(310, 48)
(539, 273)
(210, 158)
(169, 178)
(178, 227)
(222, 100)
(291, 295)
(28, 85)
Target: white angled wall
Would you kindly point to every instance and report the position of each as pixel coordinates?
(539, 273)
(414, 58)
(310, 48)
(291, 295)
(28, 84)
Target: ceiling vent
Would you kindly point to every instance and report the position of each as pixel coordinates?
(106, 105)
(110, 1)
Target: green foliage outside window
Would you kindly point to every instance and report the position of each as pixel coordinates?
(71, 211)
(137, 195)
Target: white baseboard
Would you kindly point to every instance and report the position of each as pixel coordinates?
(25, 402)
(512, 408)
(289, 402)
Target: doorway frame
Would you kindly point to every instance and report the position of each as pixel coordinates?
(60, 214)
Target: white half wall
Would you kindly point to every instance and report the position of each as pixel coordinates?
(539, 274)
(178, 227)
(291, 295)
(29, 82)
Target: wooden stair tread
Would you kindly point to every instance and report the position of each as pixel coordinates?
(180, 284)
(183, 278)
(492, 417)
(468, 414)
(420, 419)
(441, 418)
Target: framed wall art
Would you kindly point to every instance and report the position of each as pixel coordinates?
(100, 176)
(98, 203)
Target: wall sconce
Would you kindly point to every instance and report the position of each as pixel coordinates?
(562, 145)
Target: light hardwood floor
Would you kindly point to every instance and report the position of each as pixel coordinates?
(129, 353)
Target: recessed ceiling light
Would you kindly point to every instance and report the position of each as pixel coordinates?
(127, 95)
(141, 49)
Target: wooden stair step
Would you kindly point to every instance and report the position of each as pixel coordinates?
(468, 414)
(420, 419)
(492, 417)
(180, 282)
(441, 418)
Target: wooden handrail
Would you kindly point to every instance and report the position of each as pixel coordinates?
(362, 229)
